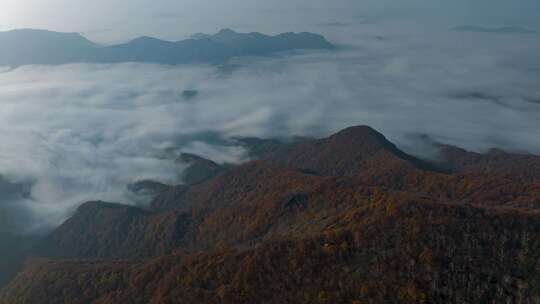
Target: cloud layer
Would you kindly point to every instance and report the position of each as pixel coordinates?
(82, 132)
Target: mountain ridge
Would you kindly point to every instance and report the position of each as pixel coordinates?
(30, 46)
(297, 226)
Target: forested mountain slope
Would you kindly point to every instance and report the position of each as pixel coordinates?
(346, 219)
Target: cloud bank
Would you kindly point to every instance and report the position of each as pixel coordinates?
(82, 132)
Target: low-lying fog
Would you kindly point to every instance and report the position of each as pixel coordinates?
(82, 132)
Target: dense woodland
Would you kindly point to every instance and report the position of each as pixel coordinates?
(345, 219)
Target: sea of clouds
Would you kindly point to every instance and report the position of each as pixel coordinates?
(82, 132)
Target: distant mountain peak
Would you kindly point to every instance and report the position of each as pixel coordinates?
(40, 33)
(29, 46)
(226, 31)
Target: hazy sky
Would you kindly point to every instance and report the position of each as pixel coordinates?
(108, 21)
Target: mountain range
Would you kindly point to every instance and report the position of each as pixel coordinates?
(27, 46)
(345, 219)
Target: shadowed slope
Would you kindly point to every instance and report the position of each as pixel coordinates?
(101, 230)
(426, 252)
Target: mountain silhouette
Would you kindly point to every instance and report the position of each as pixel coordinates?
(28, 46)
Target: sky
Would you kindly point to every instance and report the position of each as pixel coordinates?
(82, 132)
(113, 21)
